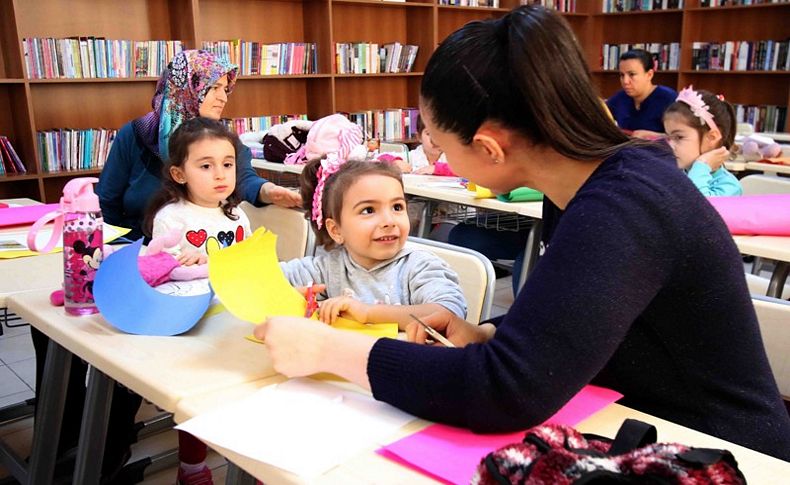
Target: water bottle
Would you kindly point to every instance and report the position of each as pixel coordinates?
(80, 221)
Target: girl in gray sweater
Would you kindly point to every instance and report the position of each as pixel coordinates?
(358, 212)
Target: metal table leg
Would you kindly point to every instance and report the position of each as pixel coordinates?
(778, 279)
(531, 251)
(93, 433)
(46, 429)
(237, 476)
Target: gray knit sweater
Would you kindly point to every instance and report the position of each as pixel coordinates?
(412, 277)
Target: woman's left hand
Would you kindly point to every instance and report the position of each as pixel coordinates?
(296, 345)
(274, 194)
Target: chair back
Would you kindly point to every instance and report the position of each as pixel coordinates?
(774, 318)
(765, 184)
(294, 237)
(475, 275)
(398, 149)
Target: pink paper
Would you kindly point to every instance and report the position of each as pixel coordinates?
(27, 214)
(764, 215)
(451, 454)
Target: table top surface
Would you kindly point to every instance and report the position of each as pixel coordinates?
(770, 247)
(369, 467)
(211, 356)
(28, 273)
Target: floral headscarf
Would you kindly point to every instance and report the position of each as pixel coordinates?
(179, 93)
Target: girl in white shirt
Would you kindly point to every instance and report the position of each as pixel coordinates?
(198, 196)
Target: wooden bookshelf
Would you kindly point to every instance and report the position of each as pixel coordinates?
(42, 104)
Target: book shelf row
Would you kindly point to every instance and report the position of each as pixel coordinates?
(246, 30)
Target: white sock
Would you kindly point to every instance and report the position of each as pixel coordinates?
(189, 468)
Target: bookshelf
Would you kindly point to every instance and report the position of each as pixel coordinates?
(32, 105)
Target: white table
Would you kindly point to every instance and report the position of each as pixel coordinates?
(768, 168)
(369, 467)
(164, 370)
(776, 248)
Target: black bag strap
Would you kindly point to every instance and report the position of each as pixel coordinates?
(633, 434)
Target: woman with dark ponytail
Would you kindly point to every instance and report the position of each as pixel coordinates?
(641, 288)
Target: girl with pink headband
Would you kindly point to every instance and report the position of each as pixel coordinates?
(357, 210)
(700, 127)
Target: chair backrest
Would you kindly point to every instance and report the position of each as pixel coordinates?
(395, 148)
(774, 317)
(765, 184)
(294, 237)
(475, 275)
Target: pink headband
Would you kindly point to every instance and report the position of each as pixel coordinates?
(329, 166)
(697, 105)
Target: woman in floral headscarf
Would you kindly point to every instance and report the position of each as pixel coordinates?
(196, 83)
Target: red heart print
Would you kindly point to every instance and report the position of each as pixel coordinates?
(197, 238)
(239, 234)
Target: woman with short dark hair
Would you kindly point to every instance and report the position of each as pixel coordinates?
(639, 107)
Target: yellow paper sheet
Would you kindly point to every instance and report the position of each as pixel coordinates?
(249, 282)
(111, 233)
(389, 330)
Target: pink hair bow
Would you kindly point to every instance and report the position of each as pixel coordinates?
(697, 105)
(329, 166)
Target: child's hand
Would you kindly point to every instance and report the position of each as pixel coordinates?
(403, 165)
(188, 258)
(330, 309)
(426, 170)
(277, 195)
(715, 158)
(317, 288)
(296, 345)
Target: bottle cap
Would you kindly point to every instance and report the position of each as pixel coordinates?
(78, 196)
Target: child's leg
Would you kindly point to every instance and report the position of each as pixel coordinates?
(192, 455)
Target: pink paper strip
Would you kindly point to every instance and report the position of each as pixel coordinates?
(759, 215)
(27, 214)
(452, 454)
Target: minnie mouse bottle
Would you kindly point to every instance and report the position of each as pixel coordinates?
(82, 244)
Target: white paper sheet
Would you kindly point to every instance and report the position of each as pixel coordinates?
(303, 426)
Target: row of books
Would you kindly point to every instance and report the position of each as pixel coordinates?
(730, 3)
(762, 55)
(611, 6)
(471, 3)
(371, 58)
(766, 118)
(666, 56)
(565, 6)
(257, 58)
(67, 149)
(9, 159)
(387, 124)
(259, 123)
(96, 57)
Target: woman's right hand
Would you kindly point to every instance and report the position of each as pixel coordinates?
(715, 158)
(456, 329)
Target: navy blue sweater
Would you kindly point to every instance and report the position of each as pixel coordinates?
(641, 290)
(650, 114)
(133, 174)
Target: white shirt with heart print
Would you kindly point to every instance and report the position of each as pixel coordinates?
(200, 226)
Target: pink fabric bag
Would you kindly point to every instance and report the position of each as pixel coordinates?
(331, 134)
(756, 215)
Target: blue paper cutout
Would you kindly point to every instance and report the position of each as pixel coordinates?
(128, 303)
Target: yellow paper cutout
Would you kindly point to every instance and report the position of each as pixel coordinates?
(248, 280)
(214, 310)
(389, 330)
(483, 193)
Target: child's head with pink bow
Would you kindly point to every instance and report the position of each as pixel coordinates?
(358, 205)
(700, 127)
